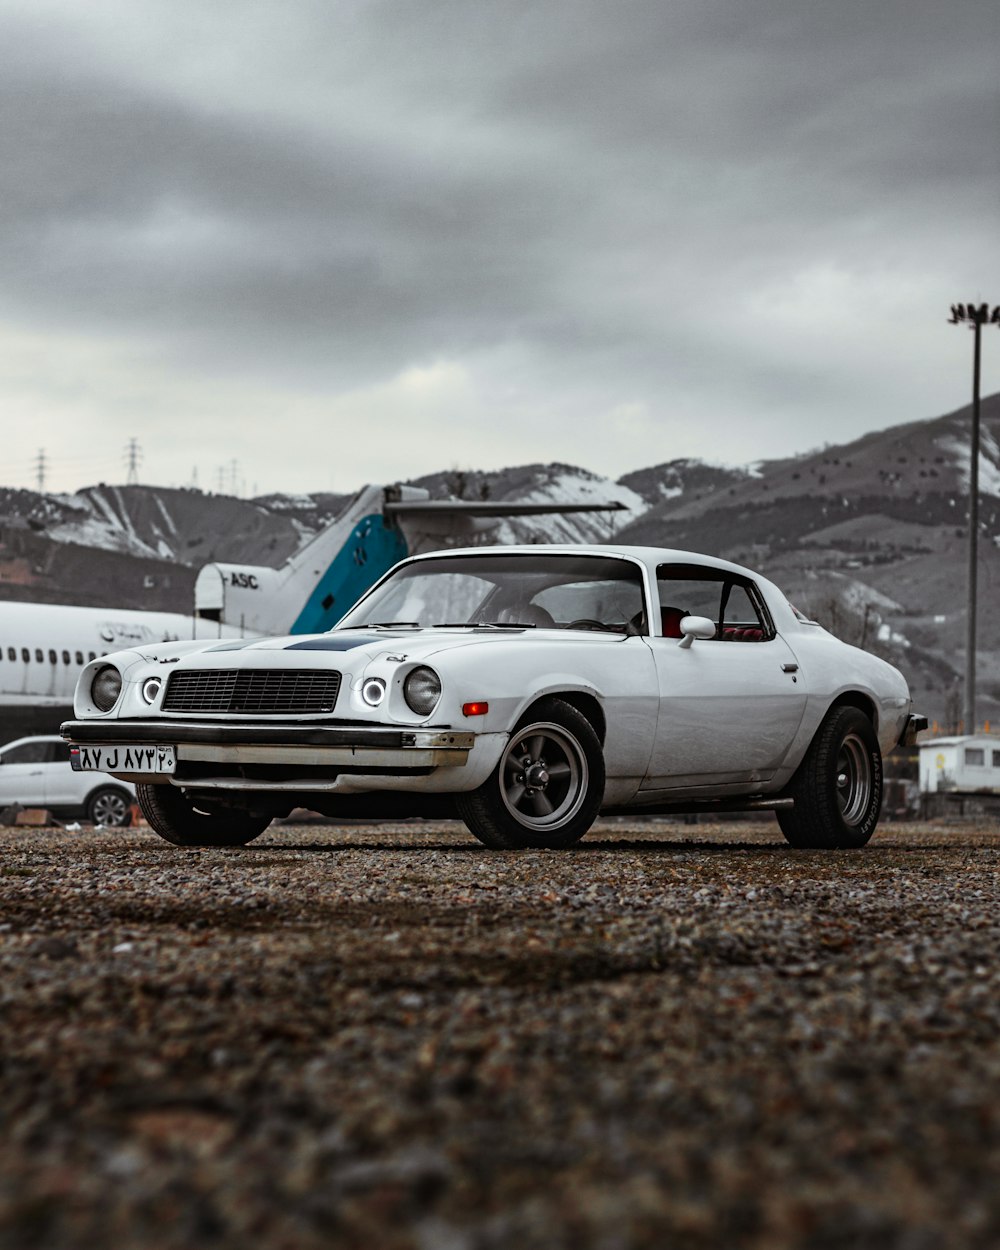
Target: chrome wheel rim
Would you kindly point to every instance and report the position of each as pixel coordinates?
(854, 779)
(109, 809)
(543, 777)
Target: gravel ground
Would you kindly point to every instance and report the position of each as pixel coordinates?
(386, 1036)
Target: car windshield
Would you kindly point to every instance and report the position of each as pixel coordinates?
(508, 591)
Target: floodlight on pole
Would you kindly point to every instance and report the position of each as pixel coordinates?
(975, 316)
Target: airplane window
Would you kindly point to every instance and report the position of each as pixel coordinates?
(79, 657)
(39, 655)
(12, 653)
(52, 656)
(91, 655)
(25, 654)
(65, 657)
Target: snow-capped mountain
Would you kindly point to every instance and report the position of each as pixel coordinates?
(868, 536)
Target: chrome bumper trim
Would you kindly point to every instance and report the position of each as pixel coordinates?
(416, 756)
(334, 746)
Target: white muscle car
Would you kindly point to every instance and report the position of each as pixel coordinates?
(526, 689)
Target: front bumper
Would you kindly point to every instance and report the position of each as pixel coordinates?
(335, 747)
(914, 725)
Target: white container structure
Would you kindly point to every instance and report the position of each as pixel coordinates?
(969, 764)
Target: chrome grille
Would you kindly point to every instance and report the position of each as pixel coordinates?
(252, 691)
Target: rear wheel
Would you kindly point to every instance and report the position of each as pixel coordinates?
(187, 821)
(838, 787)
(547, 788)
(110, 806)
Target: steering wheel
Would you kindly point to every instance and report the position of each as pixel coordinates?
(586, 622)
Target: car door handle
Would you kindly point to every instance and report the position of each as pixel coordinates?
(789, 668)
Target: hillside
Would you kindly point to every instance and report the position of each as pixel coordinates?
(869, 537)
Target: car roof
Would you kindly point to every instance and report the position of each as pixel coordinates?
(16, 742)
(649, 556)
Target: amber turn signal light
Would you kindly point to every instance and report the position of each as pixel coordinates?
(475, 709)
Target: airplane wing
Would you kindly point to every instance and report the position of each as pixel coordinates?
(488, 507)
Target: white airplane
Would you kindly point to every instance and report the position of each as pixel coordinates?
(43, 646)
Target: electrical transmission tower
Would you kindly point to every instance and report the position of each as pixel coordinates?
(41, 467)
(133, 455)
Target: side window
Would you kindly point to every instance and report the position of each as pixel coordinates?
(58, 753)
(25, 655)
(12, 654)
(731, 602)
(39, 655)
(65, 657)
(78, 656)
(740, 612)
(28, 753)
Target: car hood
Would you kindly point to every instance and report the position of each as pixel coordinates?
(363, 645)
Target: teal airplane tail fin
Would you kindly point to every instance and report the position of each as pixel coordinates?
(312, 590)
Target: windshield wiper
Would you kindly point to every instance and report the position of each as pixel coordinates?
(386, 625)
(483, 625)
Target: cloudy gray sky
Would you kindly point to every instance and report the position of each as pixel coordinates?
(337, 241)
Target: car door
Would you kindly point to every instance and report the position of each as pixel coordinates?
(63, 787)
(22, 773)
(729, 706)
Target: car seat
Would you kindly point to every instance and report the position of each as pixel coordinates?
(526, 614)
(671, 619)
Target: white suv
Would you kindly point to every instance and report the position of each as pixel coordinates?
(35, 772)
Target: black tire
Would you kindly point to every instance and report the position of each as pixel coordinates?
(110, 807)
(554, 747)
(838, 786)
(174, 815)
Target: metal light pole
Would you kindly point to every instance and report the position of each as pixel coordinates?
(975, 317)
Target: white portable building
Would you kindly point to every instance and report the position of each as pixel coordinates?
(969, 763)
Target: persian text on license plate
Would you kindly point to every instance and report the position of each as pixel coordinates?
(138, 757)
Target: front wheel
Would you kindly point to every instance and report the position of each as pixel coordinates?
(184, 821)
(838, 787)
(547, 788)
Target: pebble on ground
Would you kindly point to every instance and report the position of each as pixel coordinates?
(388, 1037)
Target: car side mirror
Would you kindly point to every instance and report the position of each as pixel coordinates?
(693, 627)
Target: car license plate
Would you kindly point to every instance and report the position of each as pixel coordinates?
(138, 757)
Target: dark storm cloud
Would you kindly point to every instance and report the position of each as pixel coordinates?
(597, 184)
(268, 237)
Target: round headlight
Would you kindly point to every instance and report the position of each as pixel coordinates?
(106, 687)
(150, 688)
(421, 690)
(373, 691)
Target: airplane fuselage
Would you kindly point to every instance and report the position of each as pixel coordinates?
(43, 647)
